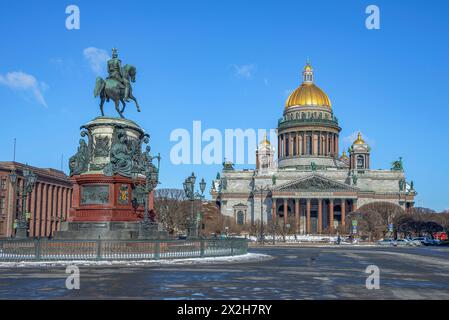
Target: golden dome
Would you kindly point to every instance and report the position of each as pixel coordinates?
(344, 156)
(308, 94)
(265, 141)
(359, 139)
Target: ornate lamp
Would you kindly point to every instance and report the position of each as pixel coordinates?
(202, 185)
(27, 187)
(189, 189)
(193, 178)
(31, 179)
(184, 185)
(13, 177)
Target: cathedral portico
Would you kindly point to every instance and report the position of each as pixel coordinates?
(311, 213)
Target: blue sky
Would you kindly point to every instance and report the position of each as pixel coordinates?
(391, 84)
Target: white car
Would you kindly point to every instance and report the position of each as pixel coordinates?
(386, 242)
(423, 240)
(404, 242)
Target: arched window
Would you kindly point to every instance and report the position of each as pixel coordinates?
(240, 218)
(360, 162)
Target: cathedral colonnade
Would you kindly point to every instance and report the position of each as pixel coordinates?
(308, 143)
(311, 215)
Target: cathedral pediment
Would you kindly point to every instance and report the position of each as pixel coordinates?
(315, 183)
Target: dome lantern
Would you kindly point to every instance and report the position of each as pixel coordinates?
(307, 74)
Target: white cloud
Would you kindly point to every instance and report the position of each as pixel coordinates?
(244, 71)
(21, 81)
(348, 140)
(97, 59)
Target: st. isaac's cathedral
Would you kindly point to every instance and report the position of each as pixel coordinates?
(310, 187)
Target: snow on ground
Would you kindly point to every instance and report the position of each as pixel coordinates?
(249, 257)
(298, 238)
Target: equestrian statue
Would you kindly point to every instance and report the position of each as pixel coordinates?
(117, 85)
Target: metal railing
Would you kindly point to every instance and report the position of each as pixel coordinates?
(57, 250)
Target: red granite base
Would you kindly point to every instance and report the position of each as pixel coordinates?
(99, 198)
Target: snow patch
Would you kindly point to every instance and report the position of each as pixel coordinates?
(249, 257)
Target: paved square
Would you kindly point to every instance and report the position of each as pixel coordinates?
(293, 273)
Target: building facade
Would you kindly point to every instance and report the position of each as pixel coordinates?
(48, 203)
(311, 187)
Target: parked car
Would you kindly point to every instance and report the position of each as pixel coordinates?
(435, 242)
(404, 242)
(442, 236)
(387, 242)
(423, 240)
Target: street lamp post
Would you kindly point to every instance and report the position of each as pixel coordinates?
(192, 195)
(261, 190)
(29, 179)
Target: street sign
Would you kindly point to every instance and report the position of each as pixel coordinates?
(354, 229)
(354, 223)
(390, 227)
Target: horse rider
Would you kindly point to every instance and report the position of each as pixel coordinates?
(115, 72)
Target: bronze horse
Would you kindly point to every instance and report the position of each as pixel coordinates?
(115, 90)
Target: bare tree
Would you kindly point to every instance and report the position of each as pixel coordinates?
(370, 223)
(172, 209)
(373, 219)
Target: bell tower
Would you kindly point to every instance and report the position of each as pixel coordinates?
(265, 156)
(359, 154)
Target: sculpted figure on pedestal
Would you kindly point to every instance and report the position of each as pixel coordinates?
(78, 163)
(121, 156)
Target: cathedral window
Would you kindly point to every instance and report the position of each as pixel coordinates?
(240, 218)
(360, 162)
(2, 205)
